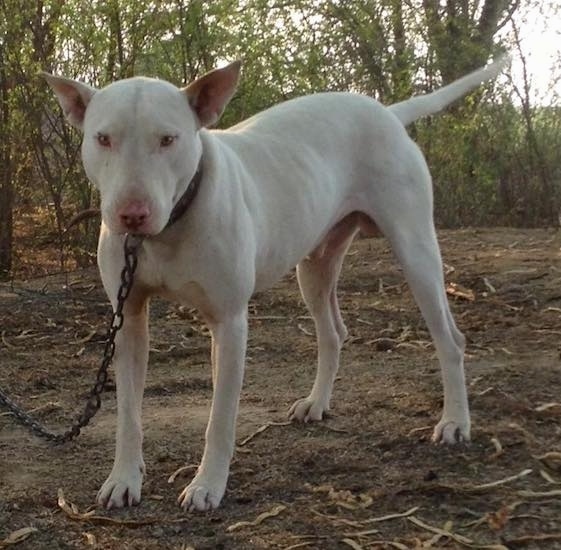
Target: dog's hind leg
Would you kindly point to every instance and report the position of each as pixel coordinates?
(414, 242)
(317, 277)
(420, 258)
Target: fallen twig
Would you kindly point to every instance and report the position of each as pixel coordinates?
(261, 429)
(300, 545)
(540, 494)
(350, 542)
(5, 342)
(548, 406)
(499, 482)
(549, 478)
(391, 516)
(87, 338)
(454, 536)
(268, 317)
(534, 538)
(416, 430)
(442, 532)
(364, 533)
(498, 448)
(172, 477)
(304, 329)
(334, 429)
(551, 459)
(72, 511)
(491, 517)
(386, 543)
(46, 407)
(259, 519)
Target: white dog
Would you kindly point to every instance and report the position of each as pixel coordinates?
(289, 187)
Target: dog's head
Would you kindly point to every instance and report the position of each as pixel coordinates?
(141, 144)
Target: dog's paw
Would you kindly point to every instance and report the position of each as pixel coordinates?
(307, 409)
(201, 494)
(451, 432)
(121, 488)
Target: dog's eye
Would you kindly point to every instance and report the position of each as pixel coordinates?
(166, 141)
(104, 140)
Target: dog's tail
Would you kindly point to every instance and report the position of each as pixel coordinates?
(419, 106)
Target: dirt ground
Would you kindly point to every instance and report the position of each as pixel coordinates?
(367, 477)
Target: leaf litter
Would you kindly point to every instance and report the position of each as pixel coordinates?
(516, 418)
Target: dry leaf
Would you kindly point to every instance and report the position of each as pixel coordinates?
(90, 539)
(72, 511)
(17, 536)
(498, 520)
(454, 289)
(344, 498)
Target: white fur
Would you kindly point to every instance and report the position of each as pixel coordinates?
(288, 187)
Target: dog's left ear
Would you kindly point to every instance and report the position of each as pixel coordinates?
(209, 94)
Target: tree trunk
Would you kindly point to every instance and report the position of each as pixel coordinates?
(401, 66)
(6, 183)
(460, 36)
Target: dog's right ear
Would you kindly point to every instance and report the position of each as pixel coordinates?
(73, 97)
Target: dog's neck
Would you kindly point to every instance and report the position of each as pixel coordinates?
(188, 196)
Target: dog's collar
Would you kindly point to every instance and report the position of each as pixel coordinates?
(187, 198)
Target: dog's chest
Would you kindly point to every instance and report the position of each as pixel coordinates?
(166, 272)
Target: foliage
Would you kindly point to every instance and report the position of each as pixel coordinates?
(495, 157)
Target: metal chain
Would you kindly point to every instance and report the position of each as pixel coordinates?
(93, 402)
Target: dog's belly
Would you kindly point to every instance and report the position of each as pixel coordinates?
(276, 260)
(332, 238)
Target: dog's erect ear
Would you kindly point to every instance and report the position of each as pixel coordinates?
(209, 94)
(73, 97)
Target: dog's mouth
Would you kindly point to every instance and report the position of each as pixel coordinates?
(135, 216)
(139, 216)
(125, 220)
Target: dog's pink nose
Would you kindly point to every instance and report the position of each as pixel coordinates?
(134, 215)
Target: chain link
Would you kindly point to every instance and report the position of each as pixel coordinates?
(93, 402)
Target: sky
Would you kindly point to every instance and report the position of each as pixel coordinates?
(541, 46)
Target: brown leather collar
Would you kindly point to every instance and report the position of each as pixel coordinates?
(187, 198)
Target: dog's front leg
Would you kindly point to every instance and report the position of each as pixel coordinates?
(123, 486)
(229, 345)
